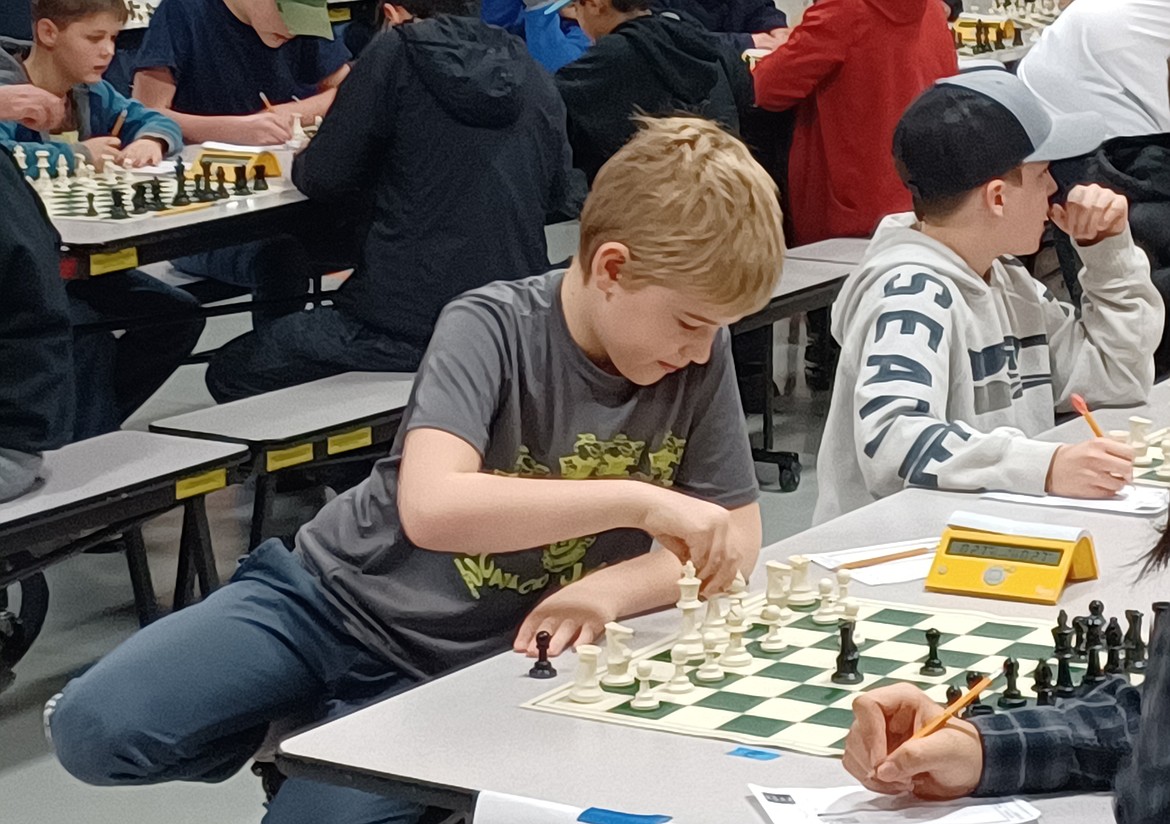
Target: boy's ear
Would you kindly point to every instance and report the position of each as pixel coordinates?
(606, 268)
(993, 197)
(46, 32)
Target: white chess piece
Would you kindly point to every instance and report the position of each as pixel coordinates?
(586, 689)
(617, 656)
(710, 670)
(773, 640)
(850, 610)
(688, 586)
(713, 620)
(298, 131)
(691, 636)
(62, 167)
(1139, 428)
(827, 609)
(736, 654)
(43, 182)
(736, 592)
(645, 699)
(679, 682)
(801, 594)
(844, 577)
(21, 158)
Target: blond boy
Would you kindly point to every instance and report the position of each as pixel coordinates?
(558, 425)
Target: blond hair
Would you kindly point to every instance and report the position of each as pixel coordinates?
(696, 211)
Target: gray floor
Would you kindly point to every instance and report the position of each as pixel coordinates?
(91, 612)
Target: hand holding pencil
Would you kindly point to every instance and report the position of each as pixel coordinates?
(887, 751)
(1097, 468)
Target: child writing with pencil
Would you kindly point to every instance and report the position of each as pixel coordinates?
(73, 44)
(1113, 736)
(953, 357)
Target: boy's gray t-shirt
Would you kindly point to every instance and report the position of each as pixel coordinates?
(503, 374)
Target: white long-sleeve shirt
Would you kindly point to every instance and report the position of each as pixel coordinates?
(945, 377)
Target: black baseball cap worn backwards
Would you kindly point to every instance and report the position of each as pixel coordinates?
(974, 127)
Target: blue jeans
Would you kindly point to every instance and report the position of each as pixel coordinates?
(115, 375)
(190, 697)
(274, 269)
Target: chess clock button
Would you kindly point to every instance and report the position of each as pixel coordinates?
(994, 576)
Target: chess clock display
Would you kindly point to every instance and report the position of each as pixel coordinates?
(1013, 560)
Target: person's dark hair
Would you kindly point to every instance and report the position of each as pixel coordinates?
(1159, 557)
(64, 12)
(628, 6)
(432, 8)
(952, 140)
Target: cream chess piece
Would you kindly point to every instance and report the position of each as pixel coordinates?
(1139, 429)
(679, 682)
(617, 656)
(586, 689)
(801, 594)
(850, 610)
(645, 699)
(773, 640)
(827, 609)
(710, 670)
(844, 577)
(736, 654)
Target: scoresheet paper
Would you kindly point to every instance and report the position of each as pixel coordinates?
(856, 805)
(1131, 500)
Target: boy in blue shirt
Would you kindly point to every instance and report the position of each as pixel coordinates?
(73, 43)
(557, 425)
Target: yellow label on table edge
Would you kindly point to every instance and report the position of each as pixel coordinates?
(347, 441)
(293, 455)
(340, 15)
(200, 484)
(102, 263)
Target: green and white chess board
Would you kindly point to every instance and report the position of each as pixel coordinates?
(69, 198)
(787, 699)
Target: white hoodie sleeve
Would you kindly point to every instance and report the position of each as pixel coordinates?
(909, 385)
(1106, 355)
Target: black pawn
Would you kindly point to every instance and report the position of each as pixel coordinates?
(1093, 674)
(205, 165)
(1045, 697)
(999, 44)
(977, 707)
(221, 192)
(181, 198)
(1011, 698)
(260, 179)
(118, 205)
(155, 204)
(953, 694)
(1042, 677)
(543, 668)
(1018, 37)
(933, 665)
(138, 200)
(1135, 646)
(1115, 644)
(1064, 681)
(848, 658)
(91, 209)
(241, 187)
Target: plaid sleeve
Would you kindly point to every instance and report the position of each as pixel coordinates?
(1079, 744)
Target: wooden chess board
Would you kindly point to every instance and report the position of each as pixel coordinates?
(69, 198)
(787, 699)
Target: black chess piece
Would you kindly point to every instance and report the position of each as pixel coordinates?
(1114, 645)
(205, 165)
(1079, 648)
(933, 665)
(202, 195)
(1135, 646)
(91, 209)
(1042, 677)
(1018, 37)
(221, 192)
(1011, 698)
(848, 658)
(1160, 608)
(260, 179)
(977, 707)
(1096, 616)
(181, 198)
(241, 187)
(953, 694)
(999, 44)
(543, 668)
(138, 200)
(1045, 697)
(155, 204)
(1061, 621)
(118, 205)
(1093, 673)
(1064, 681)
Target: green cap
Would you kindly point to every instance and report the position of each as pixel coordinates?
(306, 18)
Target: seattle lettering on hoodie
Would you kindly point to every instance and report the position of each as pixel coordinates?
(945, 378)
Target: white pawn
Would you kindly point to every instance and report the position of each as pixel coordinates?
(298, 130)
(62, 167)
(586, 689)
(773, 640)
(850, 610)
(617, 656)
(801, 594)
(21, 158)
(827, 609)
(43, 183)
(736, 592)
(645, 699)
(710, 670)
(844, 577)
(1139, 429)
(679, 682)
(736, 654)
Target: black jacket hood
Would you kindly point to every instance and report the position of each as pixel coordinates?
(473, 70)
(685, 59)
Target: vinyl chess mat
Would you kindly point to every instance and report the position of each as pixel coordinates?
(1146, 466)
(787, 699)
(69, 198)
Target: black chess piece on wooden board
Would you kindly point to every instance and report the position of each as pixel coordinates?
(543, 668)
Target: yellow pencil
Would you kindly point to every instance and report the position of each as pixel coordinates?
(882, 559)
(1078, 403)
(264, 99)
(118, 123)
(954, 709)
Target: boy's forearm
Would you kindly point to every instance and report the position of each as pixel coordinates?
(199, 128)
(309, 108)
(474, 512)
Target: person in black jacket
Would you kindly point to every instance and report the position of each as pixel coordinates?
(644, 62)
(743, 24)
(36, 338)
(458, 138)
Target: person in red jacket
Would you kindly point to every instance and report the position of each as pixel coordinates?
(850, 69)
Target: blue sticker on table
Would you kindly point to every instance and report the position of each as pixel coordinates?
(758, 755)
(596, 815)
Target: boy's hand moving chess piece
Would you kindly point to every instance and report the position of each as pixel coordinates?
(1090, 214)
(101, 147)
(572, 616)
(266, 128)
(880, 754)
(144, 152)
(1092, 469)
(31, 106)
(697, 531)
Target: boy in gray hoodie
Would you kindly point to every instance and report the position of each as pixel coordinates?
(953, 357)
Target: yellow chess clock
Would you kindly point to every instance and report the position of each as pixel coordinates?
(992, 557)
(229, 160)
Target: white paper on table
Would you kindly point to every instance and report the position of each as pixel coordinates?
(891, 572)
(856, 805)
(1131, 500)
(501, 808)
(166, 167)
(216, 146)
